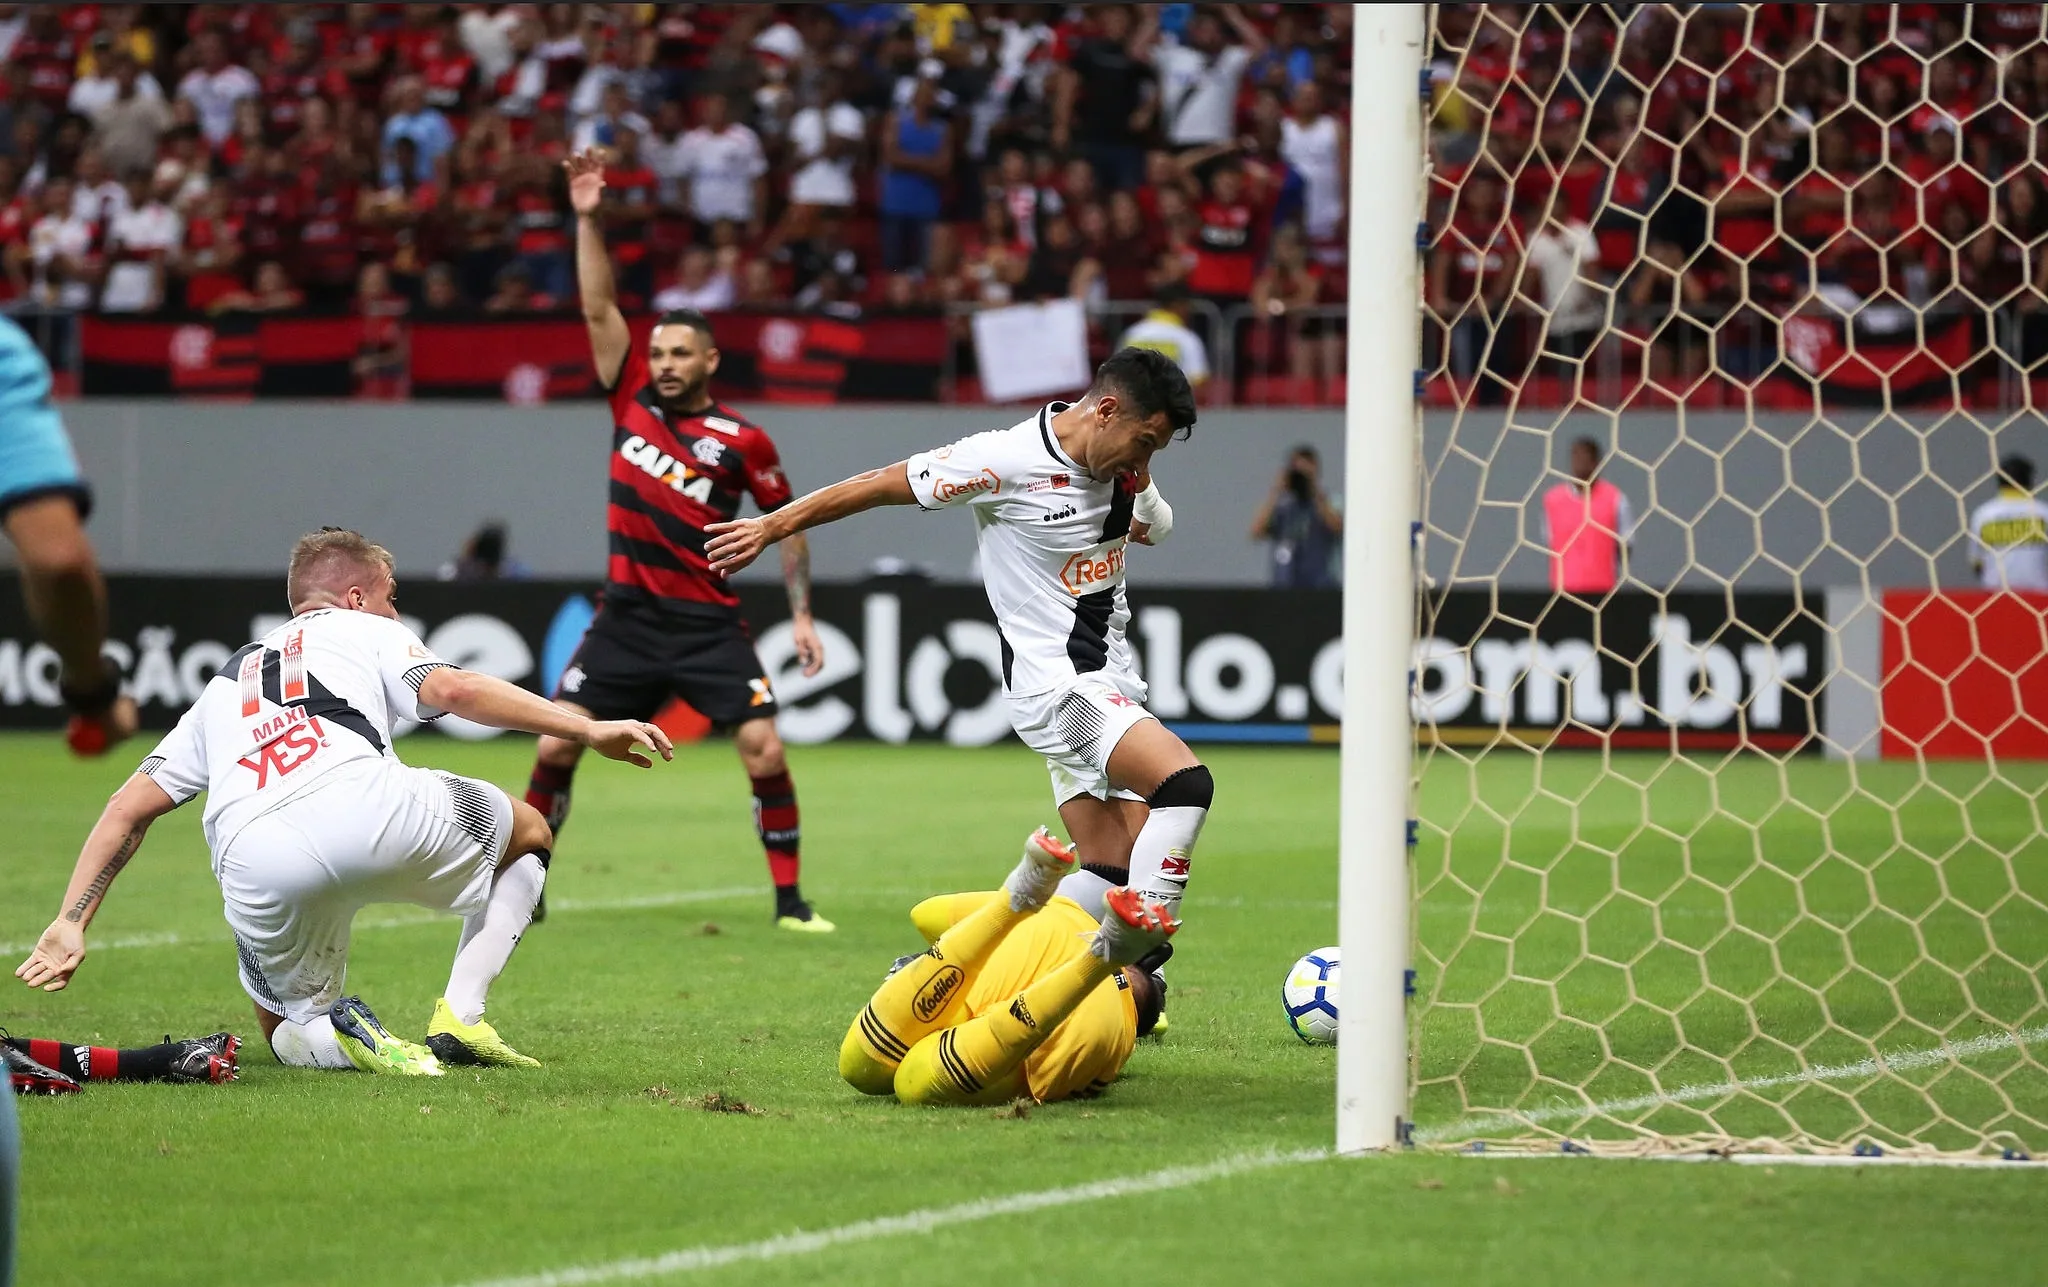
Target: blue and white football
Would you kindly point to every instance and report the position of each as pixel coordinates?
(1310, 995)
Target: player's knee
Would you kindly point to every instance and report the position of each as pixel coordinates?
(530, 832)
(760, 748)
(1190, 788)
(55, 550)
(861, 1070)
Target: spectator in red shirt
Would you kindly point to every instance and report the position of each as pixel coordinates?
(327, 235)
(630, 193)
(1817, 208)
(382, 356)
(50, 54)
(1226, 256)
(1938, 180)
(296, 79)
(250, 130)
(540, 232)
(210, 259)
(15, 214)
(448, 70)
(316, 138)
(361, 52)
(266, 202)
(1131, 250)
(1870, 256)
(1474, 269)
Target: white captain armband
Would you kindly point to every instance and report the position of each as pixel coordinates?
(1151, 509)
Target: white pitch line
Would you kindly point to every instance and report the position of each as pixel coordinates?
(805, 1242)
(1896, 1062)
(679, 898)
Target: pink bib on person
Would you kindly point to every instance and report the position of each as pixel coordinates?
(1585, 536)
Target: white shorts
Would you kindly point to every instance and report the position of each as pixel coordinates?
(1077, 726)
(375, 831)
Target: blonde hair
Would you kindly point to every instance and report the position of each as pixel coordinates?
(329, 561)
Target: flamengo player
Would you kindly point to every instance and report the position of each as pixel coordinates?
(310, 816)
(668, 624)
(1056, 499)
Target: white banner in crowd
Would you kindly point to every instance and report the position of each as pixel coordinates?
(1032, 350)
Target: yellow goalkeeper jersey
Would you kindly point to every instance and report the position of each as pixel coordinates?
(1087, 1051)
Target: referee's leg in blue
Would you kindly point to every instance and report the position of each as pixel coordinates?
(44, 501)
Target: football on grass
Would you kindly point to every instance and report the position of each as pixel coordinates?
(1310, 995)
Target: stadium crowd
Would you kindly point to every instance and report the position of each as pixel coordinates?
(1714, 173)
(404, 159)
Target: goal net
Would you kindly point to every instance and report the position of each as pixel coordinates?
(1730, 780)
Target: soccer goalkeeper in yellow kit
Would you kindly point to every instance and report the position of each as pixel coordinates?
(1021, 994)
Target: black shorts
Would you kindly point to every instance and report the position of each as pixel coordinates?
(632, 660)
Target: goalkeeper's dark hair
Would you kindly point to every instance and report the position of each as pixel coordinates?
(1148, 382)
(689, 317)
(1151, 1003)
(2016, 472)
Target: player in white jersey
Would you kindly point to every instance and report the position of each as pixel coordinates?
(2009, 534)
(1057, 498)
(310, 817)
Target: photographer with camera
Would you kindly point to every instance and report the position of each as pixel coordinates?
(1304, 525)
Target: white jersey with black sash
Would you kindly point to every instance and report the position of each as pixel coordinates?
(1053, 541)
(322, 690)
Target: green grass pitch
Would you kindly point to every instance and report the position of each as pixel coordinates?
(659, 981)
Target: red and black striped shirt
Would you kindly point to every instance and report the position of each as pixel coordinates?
(671, 478)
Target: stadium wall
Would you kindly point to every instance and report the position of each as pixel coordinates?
(224, 488)
(221, 488)
(1763, 502)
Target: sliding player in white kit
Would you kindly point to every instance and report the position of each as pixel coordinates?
(310, 817)
(1056, 499)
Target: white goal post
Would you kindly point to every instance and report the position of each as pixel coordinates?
(1384, 349)
(1695, 718)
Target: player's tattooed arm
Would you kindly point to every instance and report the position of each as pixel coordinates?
(108, 870)
(796, 573)
(796, 577)
(114, 841)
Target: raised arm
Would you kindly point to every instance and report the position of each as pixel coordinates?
(1254, 39)
(735, 544)
(609, 338)
(113, 841)
(486, 699)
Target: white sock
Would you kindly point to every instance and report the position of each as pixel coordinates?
(1163, 853)
(1087, 889)
(308, 1045)
(489, 936)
